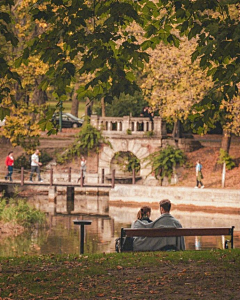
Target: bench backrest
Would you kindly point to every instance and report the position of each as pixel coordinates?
(172, 232)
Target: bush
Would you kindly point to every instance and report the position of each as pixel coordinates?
(89, 139)
(224, 157)
(164, 161)
(127, 161)
(24, 160)
(19, 212)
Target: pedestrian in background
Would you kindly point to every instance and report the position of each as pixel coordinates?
(199, 175)
(35, 165)
(9, 162)
(83, 168)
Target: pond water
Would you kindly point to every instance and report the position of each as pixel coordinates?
(62, 236)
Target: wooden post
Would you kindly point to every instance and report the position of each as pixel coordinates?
(22, 175)
(102, 175)
(113, 178)
(69, 174)
(81, 180)
(133, 177)
(51, 176)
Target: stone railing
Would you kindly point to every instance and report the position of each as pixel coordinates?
(129, 125)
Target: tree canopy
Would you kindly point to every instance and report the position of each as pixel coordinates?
(81, 37)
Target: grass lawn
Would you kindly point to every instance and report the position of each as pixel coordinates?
(151, 275)
(67, 107)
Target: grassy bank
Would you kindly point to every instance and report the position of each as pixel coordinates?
(157, 275)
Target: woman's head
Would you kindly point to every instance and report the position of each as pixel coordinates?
(144, 212)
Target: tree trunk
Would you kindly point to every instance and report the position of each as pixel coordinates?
(75, 101)
(18, 93)
(226, 141)
(225, 145)
(39, 97)
(177, 130)
(88, 109)
(103, 107)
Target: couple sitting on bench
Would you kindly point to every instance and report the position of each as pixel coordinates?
(166, 220)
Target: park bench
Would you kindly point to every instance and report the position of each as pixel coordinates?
(176, 232)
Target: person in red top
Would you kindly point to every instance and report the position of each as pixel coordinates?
(9, 165)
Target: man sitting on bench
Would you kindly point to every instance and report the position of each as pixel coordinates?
(159, 243)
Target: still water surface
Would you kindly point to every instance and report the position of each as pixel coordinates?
(62, 236)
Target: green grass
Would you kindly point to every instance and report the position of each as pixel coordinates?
(67, 107)
(149, 275)
(18, 211)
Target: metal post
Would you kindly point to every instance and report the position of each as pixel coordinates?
(102, 175)
(69, 174)
(232, 236)
(133, 177)
(82, 223)
(113, 178)
(82, 240)
(22, 175)
(51, 176)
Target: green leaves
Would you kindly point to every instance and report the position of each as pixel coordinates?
(224, 157)
(163, 162)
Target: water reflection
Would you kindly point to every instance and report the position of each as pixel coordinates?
(62, 236)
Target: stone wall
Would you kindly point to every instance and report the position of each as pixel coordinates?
(180, 196)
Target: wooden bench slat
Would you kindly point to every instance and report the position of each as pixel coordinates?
(169, 232)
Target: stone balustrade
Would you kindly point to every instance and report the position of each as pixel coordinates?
(139, 126)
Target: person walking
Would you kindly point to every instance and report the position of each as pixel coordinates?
(199, 175)
(83, 168)
(9, 162)
(35, 165)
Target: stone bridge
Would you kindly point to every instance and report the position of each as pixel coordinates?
(140, 136)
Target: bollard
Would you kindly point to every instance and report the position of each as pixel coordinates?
(82, 223)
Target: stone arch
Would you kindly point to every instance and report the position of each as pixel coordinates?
(138, 146)
(119, 161)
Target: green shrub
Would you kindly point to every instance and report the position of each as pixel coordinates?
(24, 160)
(165, 160)
(149, 134)
(20, 212)
(129, 131)
(89, 139)
(224, 157)
(127, 161)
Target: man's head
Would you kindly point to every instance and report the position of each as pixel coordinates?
(37, 151)
(165, 206)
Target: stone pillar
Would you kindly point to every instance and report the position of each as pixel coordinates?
(157, 126)
(70, 199)
(52, 194)
(118, 126)
(95, 121)
(126, 124)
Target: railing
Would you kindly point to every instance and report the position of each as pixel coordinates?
(129, 125)
(23, 176)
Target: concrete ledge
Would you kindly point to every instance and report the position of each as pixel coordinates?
(220, 198)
